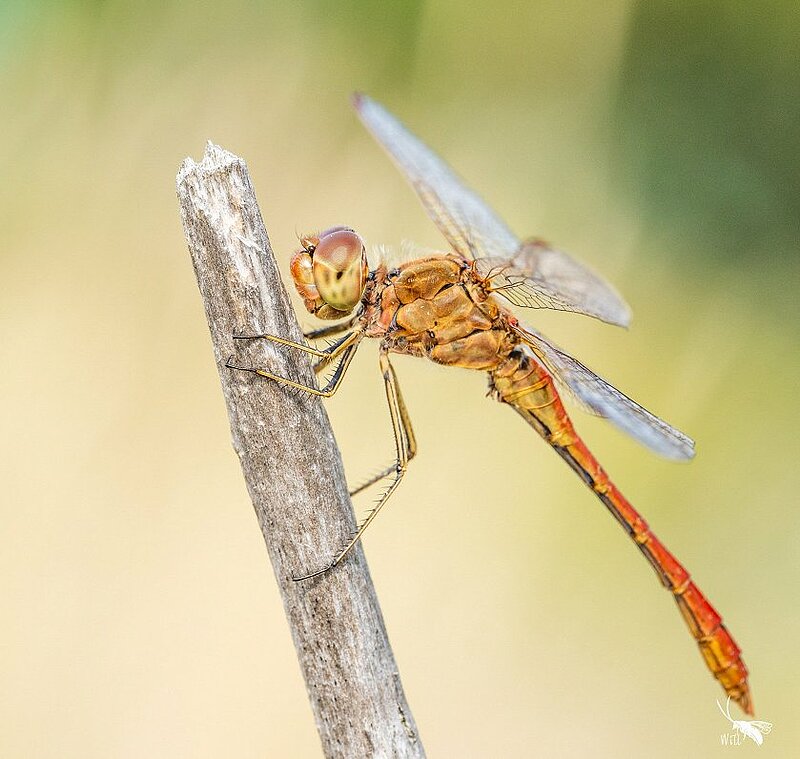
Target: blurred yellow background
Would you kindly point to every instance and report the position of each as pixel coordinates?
(657, 141)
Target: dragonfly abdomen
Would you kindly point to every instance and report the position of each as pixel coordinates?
(524, 384)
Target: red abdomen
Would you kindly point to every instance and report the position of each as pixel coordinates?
(524, 384)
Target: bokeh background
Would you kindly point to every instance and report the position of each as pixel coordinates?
(660, 141)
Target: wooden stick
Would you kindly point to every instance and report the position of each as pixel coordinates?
(293, 470)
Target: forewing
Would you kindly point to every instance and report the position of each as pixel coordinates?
(602, 399)
(502, 278)
(553, 281)
(460, 214)
(532, 275)
(538, 269)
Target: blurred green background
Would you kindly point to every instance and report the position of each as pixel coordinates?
(659, 141)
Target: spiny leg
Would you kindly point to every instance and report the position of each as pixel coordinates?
(411, 441)
(326, 392)
(329, 331)
(327, 354)
(406, 447)
(325, 361)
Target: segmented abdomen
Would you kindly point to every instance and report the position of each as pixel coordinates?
(524, 384)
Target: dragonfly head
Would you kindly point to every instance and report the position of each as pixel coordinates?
(330, 272)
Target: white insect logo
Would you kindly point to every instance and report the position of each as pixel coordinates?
(754, 728)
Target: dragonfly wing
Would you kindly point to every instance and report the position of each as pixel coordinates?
(536, 275)
(552, 279)
(537, 266)
(458, 212)
(602, 399)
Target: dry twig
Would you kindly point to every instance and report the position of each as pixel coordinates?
(293, 470)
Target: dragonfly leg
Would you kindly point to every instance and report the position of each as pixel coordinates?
(333, 350)
(328, 353)
(406, 448)
(408, 432)
(329, 331)
(345, 347)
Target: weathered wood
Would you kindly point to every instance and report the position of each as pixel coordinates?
(293, 470)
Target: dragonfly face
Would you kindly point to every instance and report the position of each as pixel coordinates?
(330, 272)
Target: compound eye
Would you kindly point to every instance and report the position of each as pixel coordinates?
(340, 268)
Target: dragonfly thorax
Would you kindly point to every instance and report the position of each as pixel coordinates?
(330, 272)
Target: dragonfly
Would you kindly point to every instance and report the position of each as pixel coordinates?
(455, 308)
